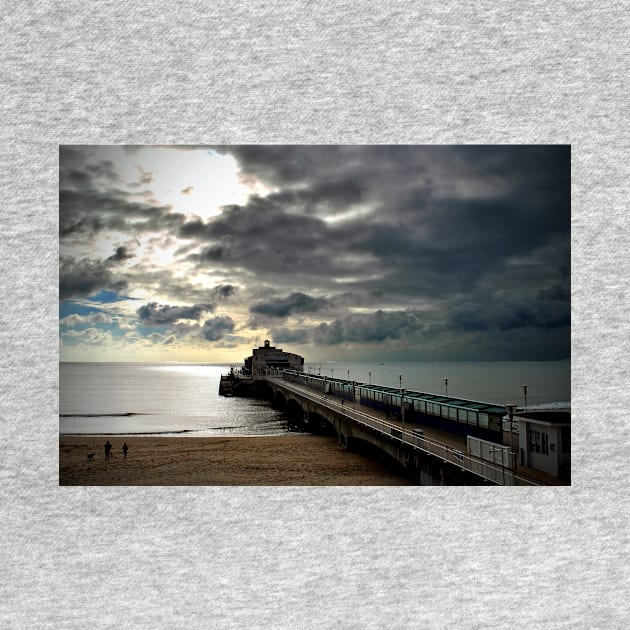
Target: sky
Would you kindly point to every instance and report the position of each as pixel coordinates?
(363, 253)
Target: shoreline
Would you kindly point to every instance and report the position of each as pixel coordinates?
(277, 460)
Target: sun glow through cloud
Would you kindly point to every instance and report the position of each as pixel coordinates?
(197, 183)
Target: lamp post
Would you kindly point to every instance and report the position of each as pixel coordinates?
(400, 380)
(370, 375)
(348, 376)
(510, 409)
(525, 394)
(402, 411)
(446, 385)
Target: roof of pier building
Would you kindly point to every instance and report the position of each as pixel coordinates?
(461, 403)
(550, 416)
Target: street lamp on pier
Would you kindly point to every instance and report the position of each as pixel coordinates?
(525, 394)
(402, 411)
(446, 385)
(370, 375)
(400, 380)
(510, 409)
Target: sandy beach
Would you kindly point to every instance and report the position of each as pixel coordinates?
(292, 460)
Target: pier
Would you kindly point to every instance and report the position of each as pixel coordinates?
(462, 445)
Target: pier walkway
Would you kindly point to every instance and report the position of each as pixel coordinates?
(413, 437)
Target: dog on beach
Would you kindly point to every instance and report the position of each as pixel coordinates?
(90, 456)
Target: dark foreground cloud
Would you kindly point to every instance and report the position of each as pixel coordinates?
(291, 335)
(92, 199)
(93, 211)
(121, 254)
(154, 314)
(368, 327)
(87, 277)
(540, 315)
(295, 303)
(216, 328)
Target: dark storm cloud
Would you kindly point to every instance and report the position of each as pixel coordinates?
(217, 327)
(261, 237)
(121, 255)
(431, 217)
(80, 166)
(154, 314)
(87, 277)
(539, 315)
(468, 318)
(555, 292)
(484, 230)
(91, 201)
(327, 198)
(506, 316)
(295, 303)
(279, 165)
(224, 291)
(92, 211)
(369, 327)
(290, 335)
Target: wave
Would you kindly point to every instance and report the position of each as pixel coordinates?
(128, 414)
(133, 433)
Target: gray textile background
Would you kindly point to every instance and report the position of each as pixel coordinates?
(327, 72)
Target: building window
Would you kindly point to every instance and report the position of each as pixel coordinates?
(539, 442)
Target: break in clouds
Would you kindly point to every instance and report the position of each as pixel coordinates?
(383, 252)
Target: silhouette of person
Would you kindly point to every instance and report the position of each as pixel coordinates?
(108, 448)
(125, 448)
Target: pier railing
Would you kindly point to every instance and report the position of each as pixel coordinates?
(500, 475)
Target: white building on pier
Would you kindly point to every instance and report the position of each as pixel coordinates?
(268, 356)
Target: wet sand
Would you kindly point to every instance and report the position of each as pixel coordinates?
(292, 460)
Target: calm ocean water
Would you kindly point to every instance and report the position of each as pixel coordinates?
(183, 399)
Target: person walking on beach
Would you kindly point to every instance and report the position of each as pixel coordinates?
(125, 448)
(108, 448)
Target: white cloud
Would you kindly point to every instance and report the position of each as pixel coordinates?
(92, 318)
(92, 336)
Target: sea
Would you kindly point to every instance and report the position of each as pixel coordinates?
(173, 399)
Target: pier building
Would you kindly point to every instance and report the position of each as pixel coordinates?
(545, 440)
(267, 357)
